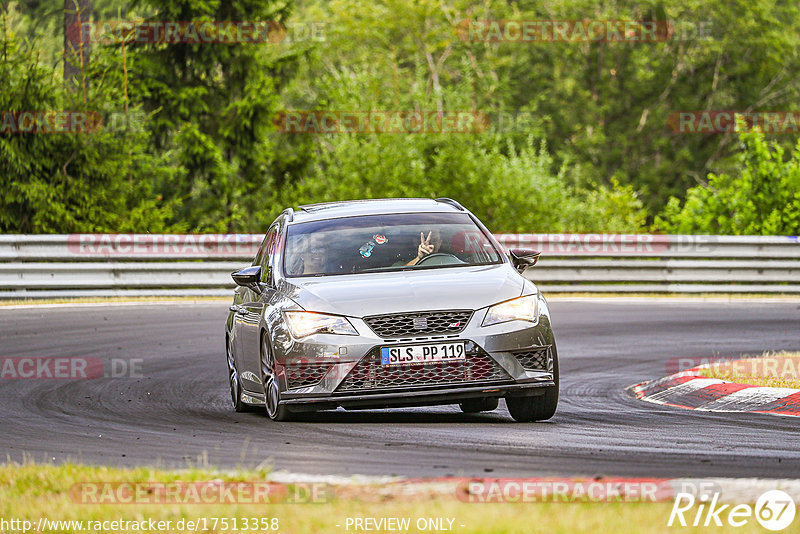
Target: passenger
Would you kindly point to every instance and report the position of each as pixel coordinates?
(427, 245)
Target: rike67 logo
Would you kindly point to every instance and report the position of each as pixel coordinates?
(774, 510)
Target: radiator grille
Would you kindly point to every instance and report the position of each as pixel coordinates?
(419, 323)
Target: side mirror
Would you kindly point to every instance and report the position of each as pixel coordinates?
(249, 277)
(522, 258)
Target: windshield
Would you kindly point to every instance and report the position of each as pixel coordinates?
(392, 242)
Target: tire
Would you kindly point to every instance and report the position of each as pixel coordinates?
(234, 381)
(272, 393)
(486, 404)
(539, 408)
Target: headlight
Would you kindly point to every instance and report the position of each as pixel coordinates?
(304, 324)
(522, 308)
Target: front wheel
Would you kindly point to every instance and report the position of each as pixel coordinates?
(272, 392)
(539, 408)
(527, 409)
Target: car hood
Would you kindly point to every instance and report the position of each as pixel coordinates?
(359, 295)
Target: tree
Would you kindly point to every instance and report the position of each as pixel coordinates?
(79, 180)
(76, 49)
(602, 106)
(213, 104)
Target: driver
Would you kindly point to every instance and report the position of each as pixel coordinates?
(311, 259)
(427, 245)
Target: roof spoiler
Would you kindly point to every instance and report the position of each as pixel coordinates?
(452, 202)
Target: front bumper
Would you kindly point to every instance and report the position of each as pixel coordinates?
(317, 372)
(424, 397)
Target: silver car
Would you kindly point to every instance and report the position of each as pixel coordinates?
(388, 303)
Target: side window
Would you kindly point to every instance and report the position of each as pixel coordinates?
(269, 252)
(261, 250)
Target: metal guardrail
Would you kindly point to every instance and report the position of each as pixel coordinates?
(33, 266)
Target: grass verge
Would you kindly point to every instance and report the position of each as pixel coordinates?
(772, 369)
(30, 492)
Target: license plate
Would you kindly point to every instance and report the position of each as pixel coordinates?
(440, 352)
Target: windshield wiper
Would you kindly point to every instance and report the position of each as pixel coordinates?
(390, 268)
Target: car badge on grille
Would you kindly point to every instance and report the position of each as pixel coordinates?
(420, 323)
(454, 325)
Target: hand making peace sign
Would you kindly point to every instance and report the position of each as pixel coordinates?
(425, 246)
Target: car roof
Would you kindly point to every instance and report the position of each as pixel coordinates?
(354, 208)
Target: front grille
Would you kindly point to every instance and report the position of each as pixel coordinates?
(419, 323)
(535, 359)
(305, 374)
(369, 373)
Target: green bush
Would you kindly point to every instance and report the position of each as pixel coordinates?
(763, 198)
(512, 189)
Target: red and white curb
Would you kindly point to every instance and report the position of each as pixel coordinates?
(690, 390)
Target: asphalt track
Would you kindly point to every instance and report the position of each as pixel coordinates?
(177, 413)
